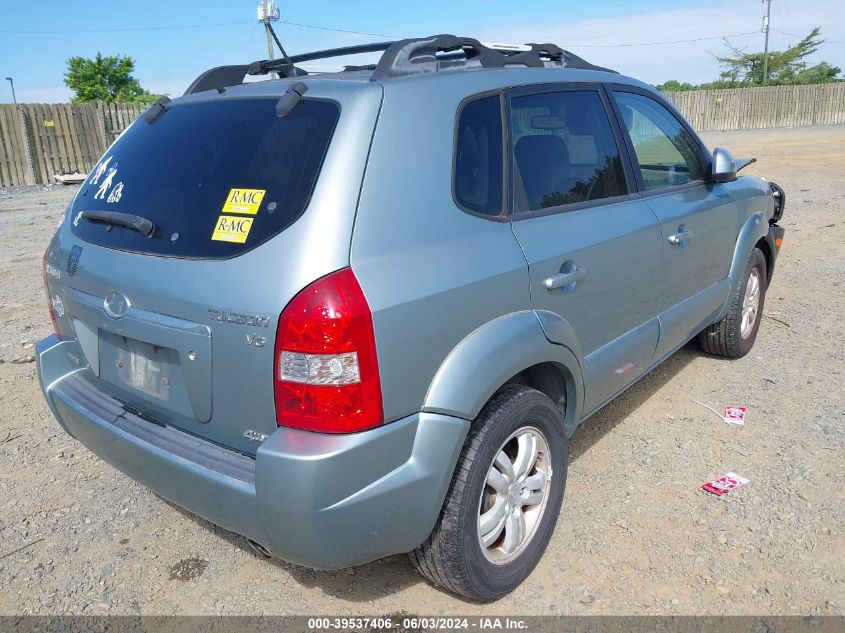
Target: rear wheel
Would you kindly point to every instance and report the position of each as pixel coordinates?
(734, 336)
(504, 499)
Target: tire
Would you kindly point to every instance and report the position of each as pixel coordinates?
(732, 337)
(453, 556)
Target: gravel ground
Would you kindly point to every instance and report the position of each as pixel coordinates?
(636, 534)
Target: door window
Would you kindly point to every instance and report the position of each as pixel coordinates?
(668, 155)
(564, 151)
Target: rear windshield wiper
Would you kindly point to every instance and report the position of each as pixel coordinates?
(136, 222)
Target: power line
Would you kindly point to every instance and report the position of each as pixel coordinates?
(785, 33)
(696, 39)
(327, 28)
(803, 36)
(333, 29)
(121, 29)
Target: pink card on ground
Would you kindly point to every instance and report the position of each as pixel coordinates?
(735, 415)
(724, 484)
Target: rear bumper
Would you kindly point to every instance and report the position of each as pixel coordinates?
(323, 501)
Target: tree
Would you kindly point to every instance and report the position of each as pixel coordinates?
(673, 85)
(786, 68)
(107, 79)
(789, 67)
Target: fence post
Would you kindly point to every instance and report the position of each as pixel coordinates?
(27, 147)
(778, 99)
(814, 118)
(102, 121)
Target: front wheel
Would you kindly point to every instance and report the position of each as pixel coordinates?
(734, 336)
(504, 500)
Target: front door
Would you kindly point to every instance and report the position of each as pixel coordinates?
(698, 217)
(593, 248)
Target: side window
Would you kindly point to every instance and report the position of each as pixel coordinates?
(564, 151)
(668, 155)
(479, 159)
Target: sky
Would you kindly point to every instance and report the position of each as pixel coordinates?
(173, 42)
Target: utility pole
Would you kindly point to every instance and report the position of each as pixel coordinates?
(14, 98)
(766, 49)
(268, 11)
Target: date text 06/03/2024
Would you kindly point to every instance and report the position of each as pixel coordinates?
(417, 622)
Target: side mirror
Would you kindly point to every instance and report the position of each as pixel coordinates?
(723, 166)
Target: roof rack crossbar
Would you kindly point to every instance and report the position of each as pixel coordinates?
(344, 51)
(426, 55)
(404, 58)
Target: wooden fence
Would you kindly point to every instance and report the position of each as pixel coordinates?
(39, 140)
(755, 108)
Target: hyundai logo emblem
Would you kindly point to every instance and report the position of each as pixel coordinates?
(115, 304)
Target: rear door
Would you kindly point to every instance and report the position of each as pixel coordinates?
(179, 325)
(698, 217)
(593, 246)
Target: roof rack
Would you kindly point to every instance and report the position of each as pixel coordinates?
(418, 56)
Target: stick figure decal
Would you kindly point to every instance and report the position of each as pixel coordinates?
(116, 193)
(106, 185)
(101, 169)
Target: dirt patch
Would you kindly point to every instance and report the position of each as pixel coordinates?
(636, 536)
(188, 569)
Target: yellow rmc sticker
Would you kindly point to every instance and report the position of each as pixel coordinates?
(231, 228)
(244, 201)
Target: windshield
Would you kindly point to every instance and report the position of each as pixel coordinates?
(216, 178)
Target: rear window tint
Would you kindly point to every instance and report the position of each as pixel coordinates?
(216, 178)
(479, 158)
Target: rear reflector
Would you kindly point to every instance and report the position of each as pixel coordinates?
(326, 375)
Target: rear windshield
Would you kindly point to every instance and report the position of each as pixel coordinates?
(216, 178)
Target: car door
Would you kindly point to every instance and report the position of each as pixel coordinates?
(698, 217)
(593, 246)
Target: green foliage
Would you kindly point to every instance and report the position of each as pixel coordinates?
(107, 79)
(673, 85)
(785, 68)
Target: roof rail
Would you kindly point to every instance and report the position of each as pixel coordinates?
(405, 58)
(225, 76)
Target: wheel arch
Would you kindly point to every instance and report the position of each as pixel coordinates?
(752, 232)
(768, 253)
(509, 350)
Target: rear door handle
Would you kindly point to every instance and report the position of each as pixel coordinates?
(680, 238)
(565, 279)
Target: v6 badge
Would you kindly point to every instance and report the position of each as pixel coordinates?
(256, 341)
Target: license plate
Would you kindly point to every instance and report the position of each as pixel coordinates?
(144, 367)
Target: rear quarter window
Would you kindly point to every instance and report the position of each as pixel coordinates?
(479, 157)
(217, 178)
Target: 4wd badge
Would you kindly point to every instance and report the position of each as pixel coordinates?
(244, 201)
(231, 228)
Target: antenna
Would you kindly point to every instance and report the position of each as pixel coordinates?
(268, 11)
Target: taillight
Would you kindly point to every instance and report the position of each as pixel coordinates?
(50, 300)
(326, 370)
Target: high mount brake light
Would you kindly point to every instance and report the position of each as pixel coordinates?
(326, 368)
